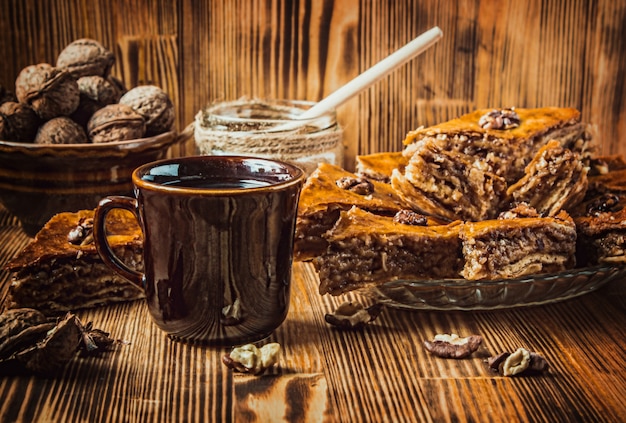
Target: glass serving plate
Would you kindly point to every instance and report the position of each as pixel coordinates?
(461, 294)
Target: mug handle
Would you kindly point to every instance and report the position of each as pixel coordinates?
(103, 247)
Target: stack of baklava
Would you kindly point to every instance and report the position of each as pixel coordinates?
(497, 193)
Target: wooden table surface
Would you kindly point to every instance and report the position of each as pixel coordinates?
(381, 373)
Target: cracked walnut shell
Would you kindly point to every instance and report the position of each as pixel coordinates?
(115, 122)
(18, 122)
(50, 91)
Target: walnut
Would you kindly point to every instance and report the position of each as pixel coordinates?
(61, 130)
(50, 91)
(500, 119)
(453, 346)
(521, 362)
(86, 57)
(250, 359)
(516, 362)
(361, 186)
(409, 217)
(154, 105)
(115, 122)
(95, 93)
(6, 95)
(351, 315)
(18, 122)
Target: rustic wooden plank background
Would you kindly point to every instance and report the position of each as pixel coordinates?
(494, 53)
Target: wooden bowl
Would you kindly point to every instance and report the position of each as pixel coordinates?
(38, 181)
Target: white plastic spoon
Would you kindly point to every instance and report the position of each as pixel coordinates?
(369, 77)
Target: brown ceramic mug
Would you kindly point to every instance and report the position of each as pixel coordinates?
(218, 243)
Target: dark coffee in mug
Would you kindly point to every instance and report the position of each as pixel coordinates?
(218, 244)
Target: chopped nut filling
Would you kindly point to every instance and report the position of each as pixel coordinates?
(360, 186)
(603, 204)
(409, 217)
(500, 119)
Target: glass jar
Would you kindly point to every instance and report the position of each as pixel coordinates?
(269, 129)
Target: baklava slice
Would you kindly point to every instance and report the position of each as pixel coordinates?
(462, 187)
(601, 238)
(506, 139)
(366, 249)
(555, 180)
(60, 269)
(606, 191)
(329, 190)
(517, 245)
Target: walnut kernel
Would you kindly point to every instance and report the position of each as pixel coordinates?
(521, 362)
(350, 315)
(453, 346)
(361, 186)
(409, 217)
(232, 314)
(516, 362)
(250, 359)
(500, 119)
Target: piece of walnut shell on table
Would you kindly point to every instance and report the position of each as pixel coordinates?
(50, 91)
(115, 122)
(86, 57)
(30, 343)
(61, 130)
(154, 105)
(18, 122)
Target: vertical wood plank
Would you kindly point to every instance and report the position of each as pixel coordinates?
(526, 54)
